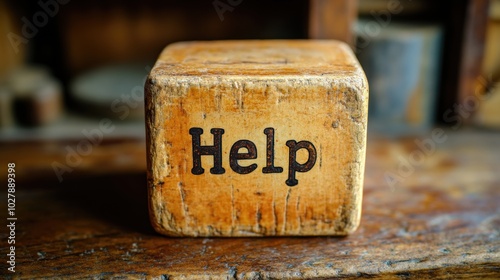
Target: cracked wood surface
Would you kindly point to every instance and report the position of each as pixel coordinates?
(305, 90)
(441, 222)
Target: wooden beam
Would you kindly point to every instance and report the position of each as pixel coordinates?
(333, 19)
(472, 54)
(463, 55)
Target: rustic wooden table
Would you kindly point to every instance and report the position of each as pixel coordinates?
(441, 221)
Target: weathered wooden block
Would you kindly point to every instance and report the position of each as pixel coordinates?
(249, 138)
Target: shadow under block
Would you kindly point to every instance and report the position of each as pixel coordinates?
(256, 138)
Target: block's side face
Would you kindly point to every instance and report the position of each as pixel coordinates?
(356, 95)
(160, 98)
(326, 115)
(157, 157)
(357, 108)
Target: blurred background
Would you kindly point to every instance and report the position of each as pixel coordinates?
(72, 72)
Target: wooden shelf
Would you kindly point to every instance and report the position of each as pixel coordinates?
(441, 221)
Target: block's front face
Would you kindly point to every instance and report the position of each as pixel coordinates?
(256, 138)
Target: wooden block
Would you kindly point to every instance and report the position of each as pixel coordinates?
(256, 138)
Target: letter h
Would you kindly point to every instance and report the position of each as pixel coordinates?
(215, 151)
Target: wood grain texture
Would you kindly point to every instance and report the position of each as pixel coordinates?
(313, 93)
(441, 222)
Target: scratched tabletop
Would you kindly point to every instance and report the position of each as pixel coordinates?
(428, 212)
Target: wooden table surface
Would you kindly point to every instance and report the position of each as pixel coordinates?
(441, 221)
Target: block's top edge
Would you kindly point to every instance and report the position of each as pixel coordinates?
(257, 58)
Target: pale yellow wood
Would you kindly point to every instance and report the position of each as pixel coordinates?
(305, 90)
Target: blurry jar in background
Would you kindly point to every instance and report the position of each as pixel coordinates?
(402, 65)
